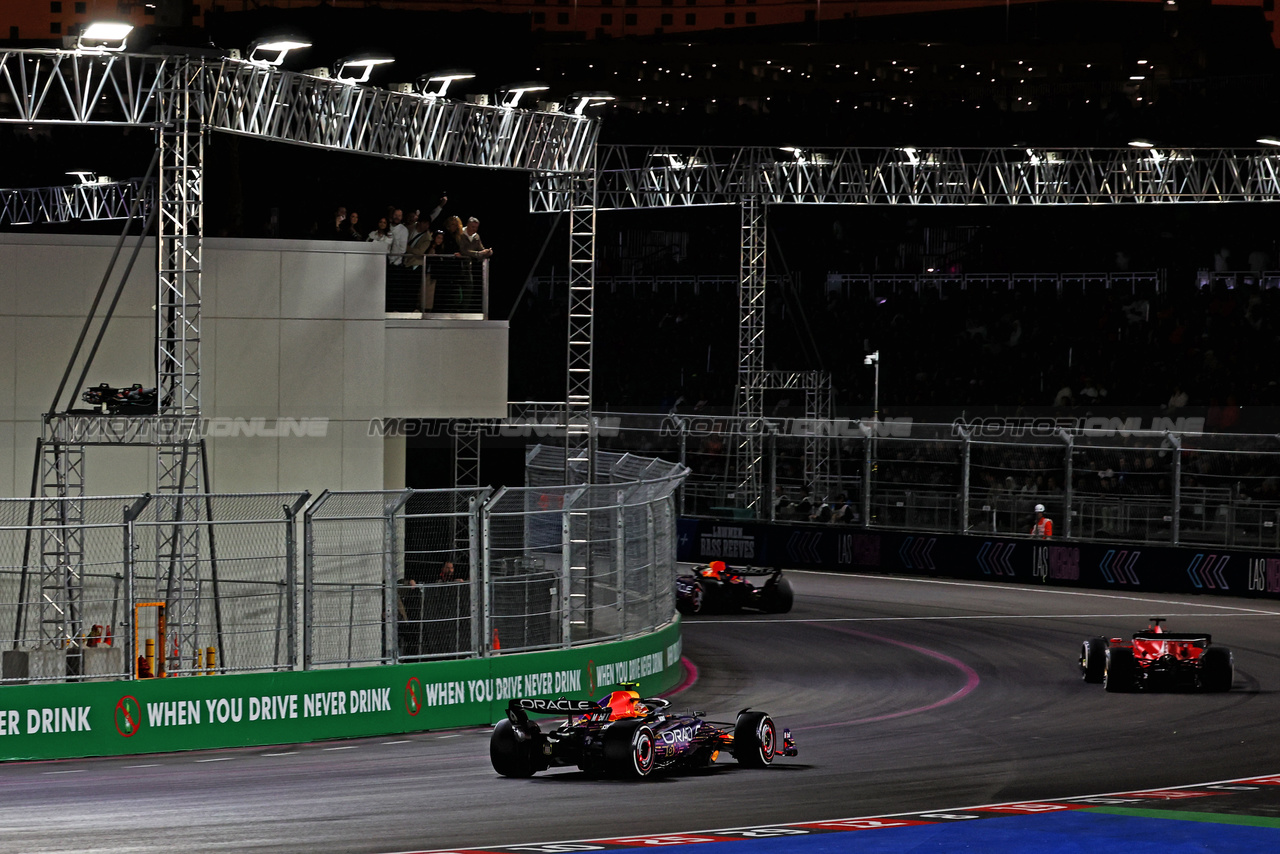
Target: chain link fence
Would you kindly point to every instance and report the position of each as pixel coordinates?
(184, 585)
(1112, 481)
(115, 587)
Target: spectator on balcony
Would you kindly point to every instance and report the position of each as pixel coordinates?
(351, 230)
(1177, 400)
(338, 225)
(399, 238)
(382, 234)
(418, 245)
(455, 237)
(474, 245)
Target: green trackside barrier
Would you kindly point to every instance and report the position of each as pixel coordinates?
(67, 720)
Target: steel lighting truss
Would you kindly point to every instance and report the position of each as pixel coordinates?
(272, 104)
(638, 177)
(751, 373)
(178, 310)
(818, 405)
(634, 177)
(47, 86)
(582, 263)
(79, 202)
(182, 97)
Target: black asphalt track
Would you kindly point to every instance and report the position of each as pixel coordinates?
(903, 694)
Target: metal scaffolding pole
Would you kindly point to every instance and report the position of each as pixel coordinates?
(582, 258)
(178, 307)
(751, 374)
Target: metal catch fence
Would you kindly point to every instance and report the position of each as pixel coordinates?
(183, 585)
(1112, 481)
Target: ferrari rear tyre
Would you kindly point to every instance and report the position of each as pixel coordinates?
(513, 756)
(630, 751)
(776, 597)
(1217, 669)
(755, 740)
(1093, 660)
(1118, 672)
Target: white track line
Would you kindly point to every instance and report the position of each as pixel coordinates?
(1028, 588)
(152, 765)
(288, 753)
(217, 759)
(345, 747)
(70, 771)
(404, 741)
(1141, 615)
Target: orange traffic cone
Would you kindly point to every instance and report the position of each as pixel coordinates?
(497, 644)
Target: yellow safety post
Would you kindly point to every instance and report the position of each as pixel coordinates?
(210, 660)
(151, 656)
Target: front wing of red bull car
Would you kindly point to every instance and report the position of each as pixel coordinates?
(595, 740)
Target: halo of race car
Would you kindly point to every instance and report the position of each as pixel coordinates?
(1155, 659)
(715, 588)
(628, 737)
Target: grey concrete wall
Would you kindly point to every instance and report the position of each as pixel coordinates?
(291, 330)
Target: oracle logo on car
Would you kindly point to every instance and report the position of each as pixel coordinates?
(679, 735)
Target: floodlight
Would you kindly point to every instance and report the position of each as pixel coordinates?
(871, 358)
(512, 94)
(441, 80)
(356, 69)
(1270, 139)
(589, 99)
(84, 177)
(1141, 143)
(103, 36)
(277, 46)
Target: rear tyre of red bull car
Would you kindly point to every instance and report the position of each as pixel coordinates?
(755, 740)
(776, 596)
(630, 751)
(516, 752)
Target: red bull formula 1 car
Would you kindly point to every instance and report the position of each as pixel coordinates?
(715, 588)
(1154, 658)
(628, 737)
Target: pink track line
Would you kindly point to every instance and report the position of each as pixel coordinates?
(690, 676)
(971, 681)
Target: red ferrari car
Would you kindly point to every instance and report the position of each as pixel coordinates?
(1154, 658)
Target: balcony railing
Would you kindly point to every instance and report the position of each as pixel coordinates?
(438, 286)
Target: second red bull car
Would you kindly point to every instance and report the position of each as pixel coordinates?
(628, 737)
(715, 588)
(1154, 659)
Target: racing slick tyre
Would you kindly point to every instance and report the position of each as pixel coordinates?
(1118, 673)
(513, 756)
(776, 597)
(1217, 669)
(1093, 660)
(695, 602)
(755, 740)
(629, 750)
